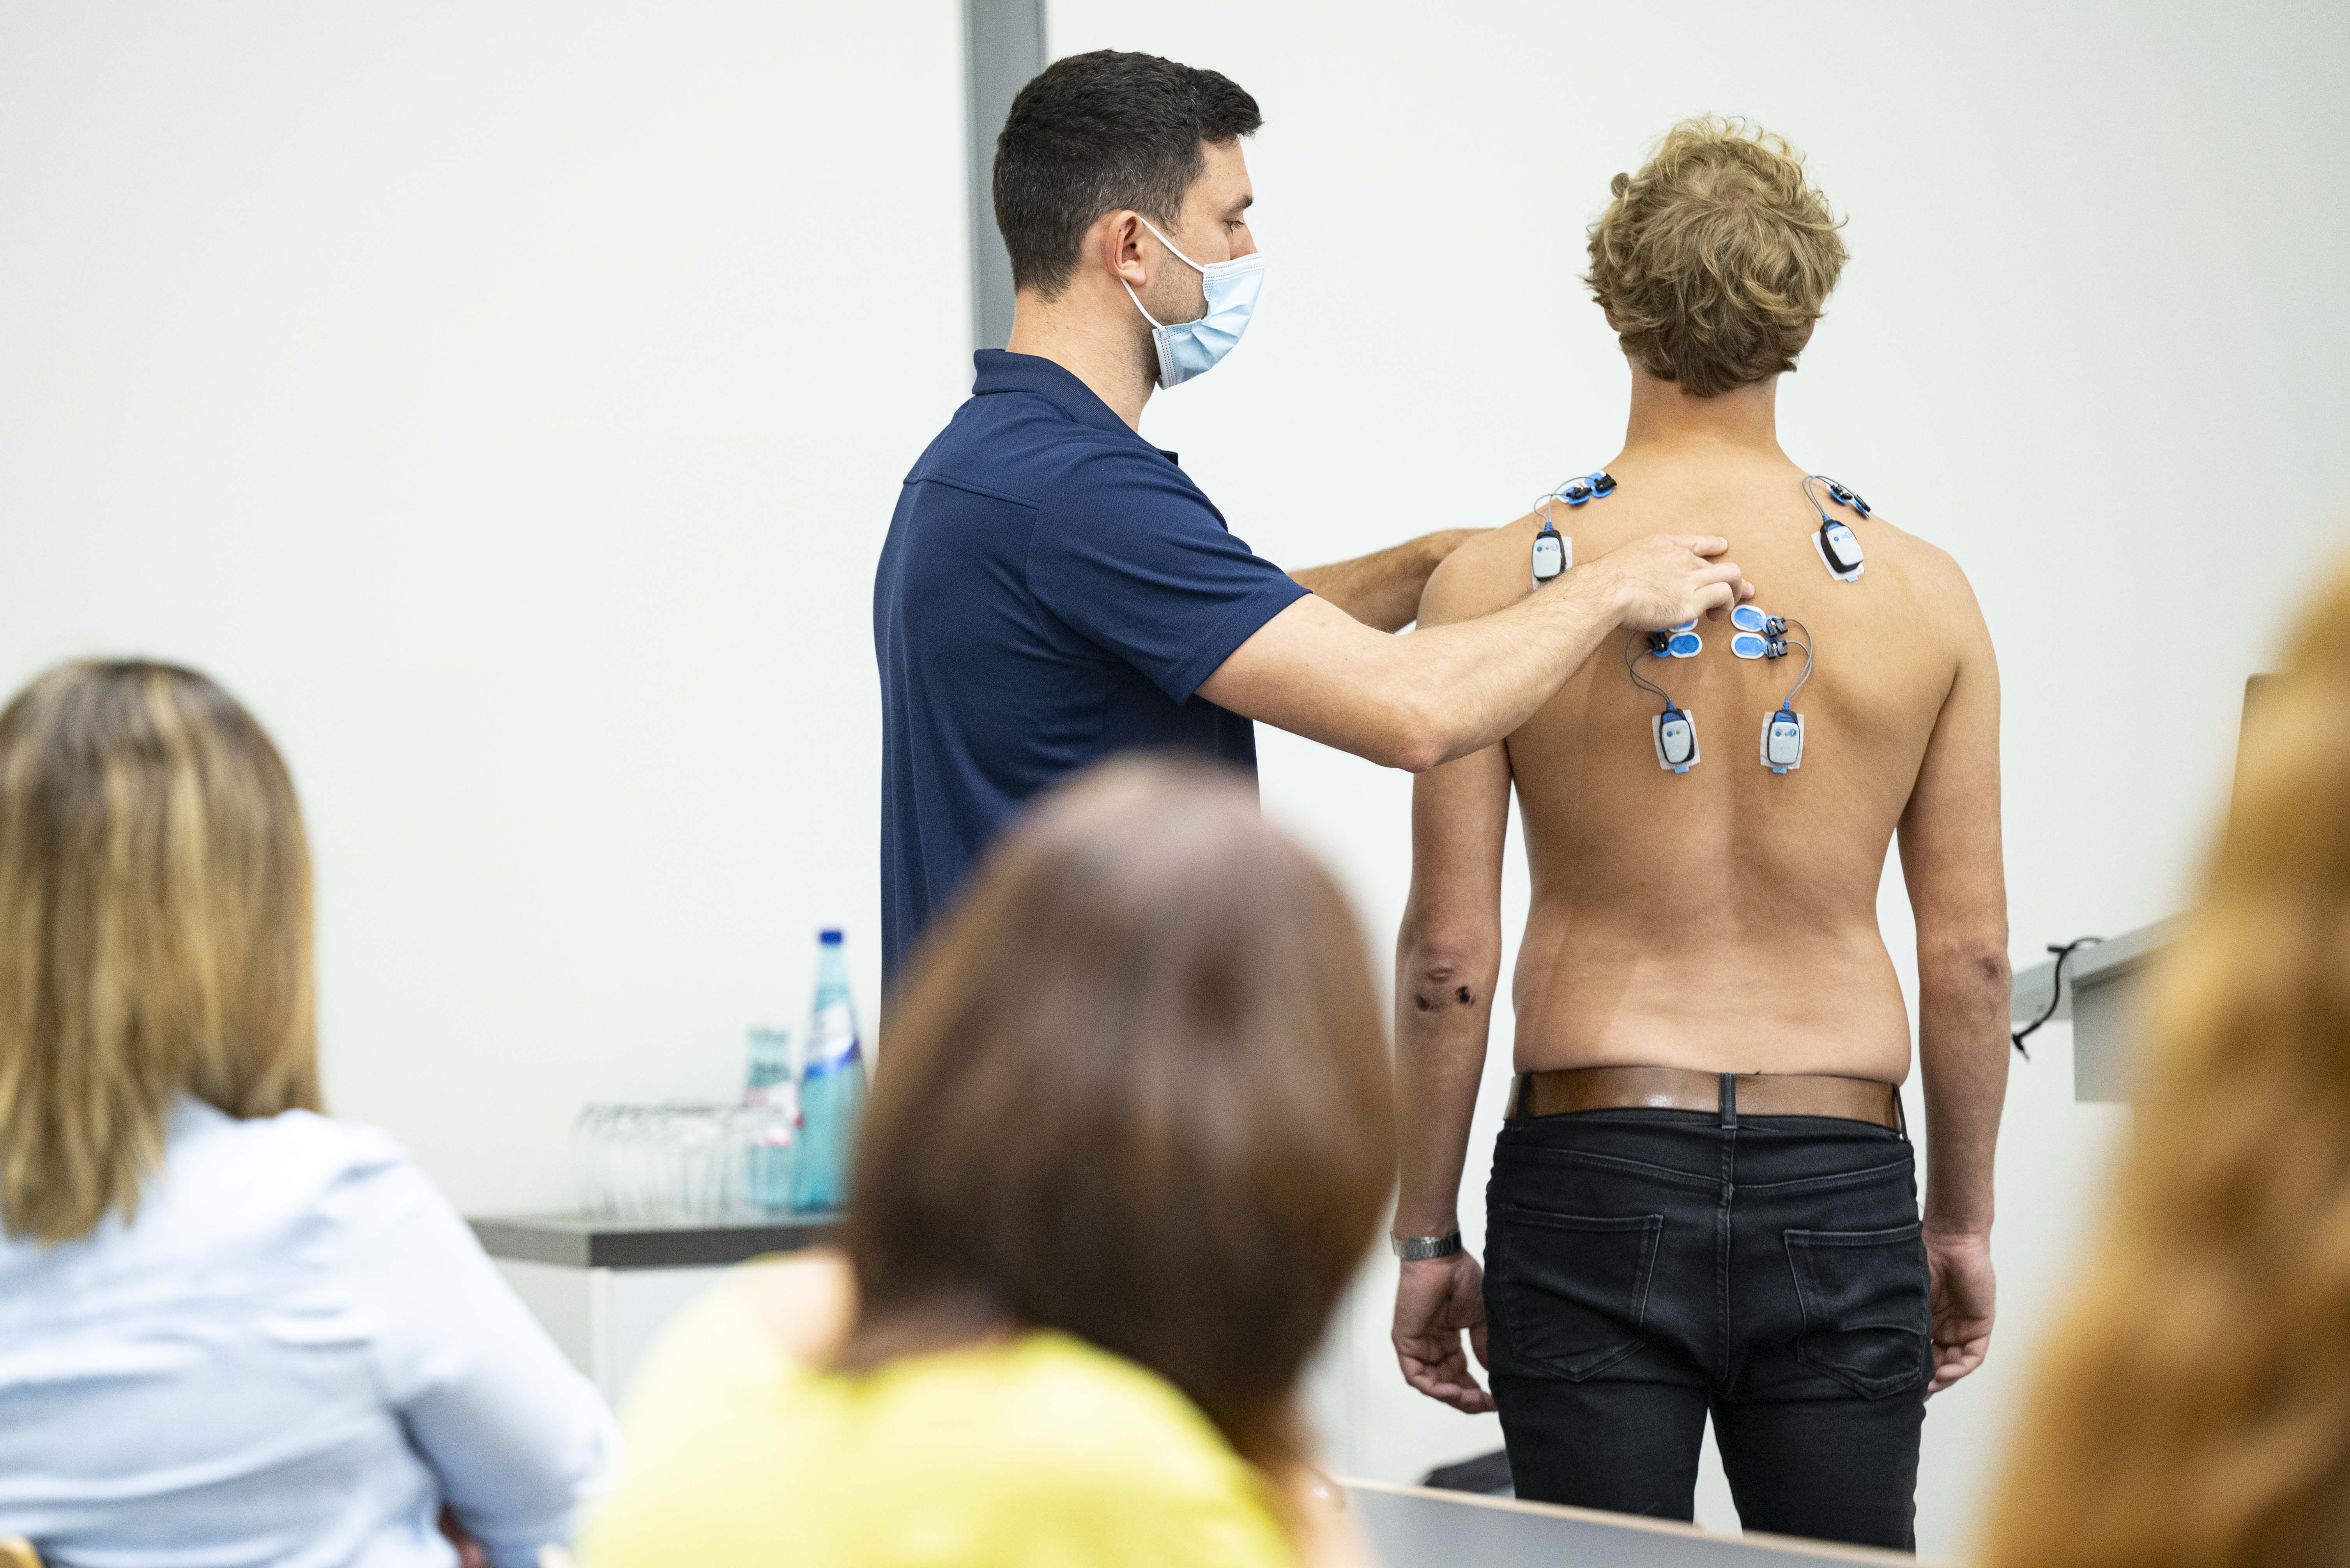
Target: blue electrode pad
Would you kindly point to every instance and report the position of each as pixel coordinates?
(1675, 733)
(1681, 642)
(1746, 617)
(1783, 740)
(1848, 497)
(1750, 644)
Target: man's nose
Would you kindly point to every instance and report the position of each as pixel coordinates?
(1243, 244)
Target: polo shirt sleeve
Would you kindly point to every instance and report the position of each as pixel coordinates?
(1131, 556)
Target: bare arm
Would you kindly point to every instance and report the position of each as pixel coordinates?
(1443, 691)
(1958, 888)
(1447, 965)
(1382, 589)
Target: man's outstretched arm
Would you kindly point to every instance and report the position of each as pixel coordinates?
(1958, 888)
(1447, 965)
(1443, 691)
(1382, 589)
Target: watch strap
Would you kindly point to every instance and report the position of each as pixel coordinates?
(1420, 1249)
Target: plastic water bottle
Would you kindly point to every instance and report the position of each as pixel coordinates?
(832, 1086)
(771, 1100)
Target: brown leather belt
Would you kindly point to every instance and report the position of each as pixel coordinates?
(1565, 1089)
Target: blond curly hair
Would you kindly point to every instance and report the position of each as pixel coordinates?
(1714, 260)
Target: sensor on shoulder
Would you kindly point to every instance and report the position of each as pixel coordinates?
(1838, 545)
(1783, 740)
(1554, 554)
(1839, 551)
(1553, 551)
(1675, 732)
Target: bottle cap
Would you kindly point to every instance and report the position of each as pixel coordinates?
(830, 938)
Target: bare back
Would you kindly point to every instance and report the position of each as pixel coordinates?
(1657, 896)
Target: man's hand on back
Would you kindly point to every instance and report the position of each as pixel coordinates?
(1436, 1300)
(1669, 578)
(1960, 1265)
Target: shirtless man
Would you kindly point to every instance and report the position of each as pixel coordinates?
(1666, 1241)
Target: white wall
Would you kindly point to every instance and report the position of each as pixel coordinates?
(507, 403)
(2091, 342)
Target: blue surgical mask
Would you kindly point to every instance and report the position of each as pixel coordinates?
(1188, 348)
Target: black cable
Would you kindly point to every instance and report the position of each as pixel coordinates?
(1636, 641)
(1814, 497)
(2055, 991)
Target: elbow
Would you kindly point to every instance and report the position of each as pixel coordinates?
(1418, 739)
(1967, 964)
(1447, 969)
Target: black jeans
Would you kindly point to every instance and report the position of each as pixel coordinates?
(1645, 1268)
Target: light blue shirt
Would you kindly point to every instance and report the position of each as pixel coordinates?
(294, 1355)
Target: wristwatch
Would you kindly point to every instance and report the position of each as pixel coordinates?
(1419, 1248)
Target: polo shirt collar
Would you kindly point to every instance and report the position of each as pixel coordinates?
(1000, 370)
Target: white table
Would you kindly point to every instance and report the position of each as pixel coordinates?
(2102, 991)
(1415, 1528)
(606, 1288)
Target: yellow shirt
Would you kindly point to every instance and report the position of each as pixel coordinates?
(1040, 1451)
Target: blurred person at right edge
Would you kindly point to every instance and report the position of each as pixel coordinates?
(1131, 1138)
(2193, 1410)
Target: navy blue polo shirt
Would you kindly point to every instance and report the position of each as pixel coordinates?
(1053, 590)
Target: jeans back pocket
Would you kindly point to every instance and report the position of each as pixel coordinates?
(1867, 1318)
(1566, 1294)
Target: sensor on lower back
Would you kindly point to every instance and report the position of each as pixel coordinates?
(1783, 740)
(1675, 734)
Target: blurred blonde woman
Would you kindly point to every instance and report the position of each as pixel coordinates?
(2195, 1409)
(232, 1330)
(1129, 1138)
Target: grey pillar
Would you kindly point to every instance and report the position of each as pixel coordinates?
(1003, 46)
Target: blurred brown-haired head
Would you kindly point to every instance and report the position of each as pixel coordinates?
(154, 932)
(1135, 1089)
(1714, 260)
(2194, 1410)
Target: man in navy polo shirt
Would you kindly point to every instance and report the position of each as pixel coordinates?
(1055, 588)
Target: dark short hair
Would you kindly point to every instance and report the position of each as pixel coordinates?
(1093, 133)
(1135, 1089)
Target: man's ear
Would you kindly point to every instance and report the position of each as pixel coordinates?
(1611, 321)
(1809, 328)
(1118, 239)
